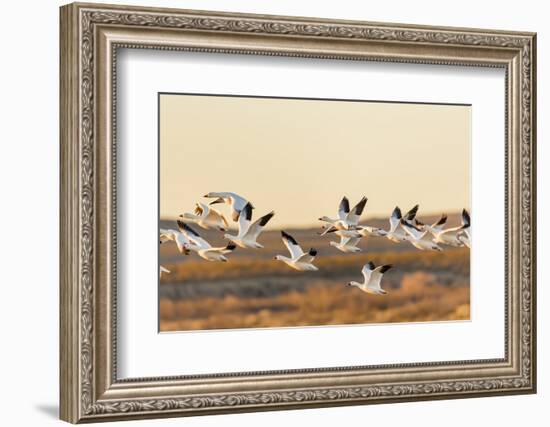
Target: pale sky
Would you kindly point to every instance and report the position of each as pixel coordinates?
(300, 157)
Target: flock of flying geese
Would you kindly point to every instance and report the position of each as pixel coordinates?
(403, 228)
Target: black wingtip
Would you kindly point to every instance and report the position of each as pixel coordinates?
(265, 219)
(385, 268)
(397, 213)
(410, 225)
(412, 212)
(231, 246)
(360, 206)
(247, 211)
(344, 204)
(185, 227)
(371, 265)
(465, 218)
(312, 252)
(287, 236)
(442, 220)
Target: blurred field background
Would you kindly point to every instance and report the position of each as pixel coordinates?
(253, 290)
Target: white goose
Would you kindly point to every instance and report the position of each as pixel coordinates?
(248, 231)
(163, 270)
(181, 240)
(300, 260)
(347, 219)
(202, 247)
(206, 217)
(366, 231)
(396, 232)
(454, 236)
(342, 233)
(421, 238)
(372, 277)
(236, 202)
(347, 244)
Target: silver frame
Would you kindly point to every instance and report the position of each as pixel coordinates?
(90, 37)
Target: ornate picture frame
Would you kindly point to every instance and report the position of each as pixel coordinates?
(90, 37)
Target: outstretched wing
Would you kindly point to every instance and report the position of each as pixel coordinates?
(349, 241)
(465, 218)
(215, 216)
(411, 214)
(440, 223)
(376, 276)
(354, 215)
(343, 209)
(256, 228)
(412, 230)
(166, 235)
(192, 235)
(394, 219)
(225, 249)
(328, 229)
(200, 208)
(367, 270)
(245, 218)
(292, 245)
(308, 257)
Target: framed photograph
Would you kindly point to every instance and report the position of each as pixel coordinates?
(265, 212)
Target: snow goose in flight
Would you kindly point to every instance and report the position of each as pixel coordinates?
(366, 231)
(396, 232)
(299, 260)
(348, 219)
(421, 238)
(372, 277)
(202, 247)
(347, 244)
(236, 202)
(248, 231)
(163, 270)
(181, 240)
(397, 235)
(454, 236)
(206, 217)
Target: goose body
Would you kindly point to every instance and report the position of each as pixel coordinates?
(202, 247)
(181, 240)
(298, 260)
(347, 244)
(236, 202)
(454, 236)
(420, 238)
(348, 219)
(396, 233)
(249, 231)
(372, 276)
(366, 231)
(206, 217)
